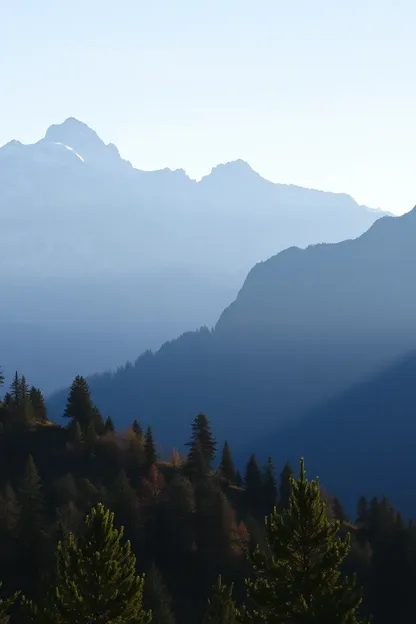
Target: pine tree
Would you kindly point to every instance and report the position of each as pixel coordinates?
(338, 510)
(1, 377)
(136, 428)
(238, 479)
(18, 401)
(297, 577)
(227, 468)
(202, 443)
(269, 487)
(31, 500)
(79, 405)
(285, 486)
(96, 580)
(38, 404)
(5, 605)
(157, 598)
(109, 426)
(196, 466)
(253, 484)
(221, 606)
(149, 448)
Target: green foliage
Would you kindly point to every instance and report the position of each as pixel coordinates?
(338, 510)
(18, 403)
(285, 486)
(221, 606)
(297, 576)
(5, 605)
(38, 404)
(109, 425)
(202, 446)
(79, 406)
(96, 579)
(227, 468)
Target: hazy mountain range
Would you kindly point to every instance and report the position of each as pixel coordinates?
(101, 261)
(307, 326)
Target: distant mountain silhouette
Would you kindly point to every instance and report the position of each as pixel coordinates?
(90, 211)
(360, 442)
(306, 325)
(96, 240)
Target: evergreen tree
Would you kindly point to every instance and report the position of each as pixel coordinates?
(227, 468)
(38, 404)
(221, 606)
(297, 577)
(18, 401)
(196, 466)
(79, 405)
(109, 425)
(157, 598)
(285, 486)
(5, 605)
(269, 487)
(15, 391)
(238, 479)
(338, 510)
(136, 428)
(149, 448)
(202, 442)
(1, 377)
(253, 484)
(96, 580)
(31, 500)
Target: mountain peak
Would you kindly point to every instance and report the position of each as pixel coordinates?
(75, 134)
(235, 169)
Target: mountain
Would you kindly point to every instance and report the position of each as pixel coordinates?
(101, 261)
(362, 439)
(306, 325)
(79, 197)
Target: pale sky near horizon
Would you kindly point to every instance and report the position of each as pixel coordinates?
(315, 92)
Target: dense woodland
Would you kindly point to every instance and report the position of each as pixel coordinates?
(180, 538)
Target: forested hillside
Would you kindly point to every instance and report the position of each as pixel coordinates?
(189, 517)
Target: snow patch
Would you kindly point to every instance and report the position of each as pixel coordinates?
(71, 150)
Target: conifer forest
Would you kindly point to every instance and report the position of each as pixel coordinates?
(97, 525)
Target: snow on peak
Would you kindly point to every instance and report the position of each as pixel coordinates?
(71, 149)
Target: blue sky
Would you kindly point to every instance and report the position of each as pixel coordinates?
(316, 93)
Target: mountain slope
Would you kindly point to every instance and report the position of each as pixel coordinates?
(306, 325)
(89, 239)
(362, 440)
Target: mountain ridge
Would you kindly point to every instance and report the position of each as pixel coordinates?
(100, 240)
(69, 132)
(305, 325)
